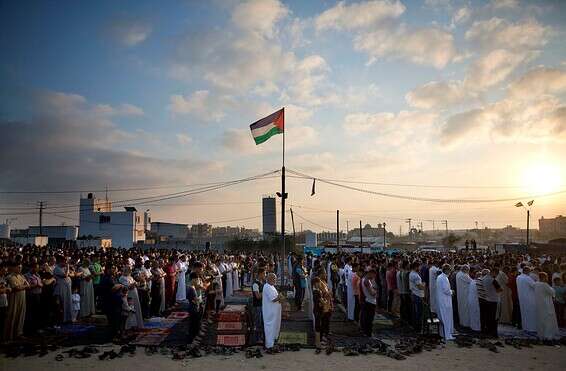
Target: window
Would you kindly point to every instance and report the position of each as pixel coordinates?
(138, 219)
(104, 219)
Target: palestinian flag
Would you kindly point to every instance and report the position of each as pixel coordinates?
(268, 126)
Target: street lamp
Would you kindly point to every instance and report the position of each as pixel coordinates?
(529, 204)
(384, 245)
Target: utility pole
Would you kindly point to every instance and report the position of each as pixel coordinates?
(301, 227)
(433, 229)
(476, 224)
(347, 227)
(445, 222)
(408, 220)
(337, 230)
(361, 239)
(41, 218)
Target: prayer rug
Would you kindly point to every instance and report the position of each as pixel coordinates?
(178, 315)
(292, 337)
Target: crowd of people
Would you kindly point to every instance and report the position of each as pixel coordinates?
(43, 288)
(470, 291)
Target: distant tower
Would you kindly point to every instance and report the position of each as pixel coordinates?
(269, 216)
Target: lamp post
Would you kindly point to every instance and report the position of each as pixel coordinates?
(384, 245)
(529, 204)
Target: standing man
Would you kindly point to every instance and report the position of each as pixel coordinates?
(433, 275)
(444, 303)
(369, 289)
(417, 288)
(492, 290)
(257, 290)
(350, 300)
(463, 281)
(271, 310)
(526, 293)
(391, 280)
(300, 275)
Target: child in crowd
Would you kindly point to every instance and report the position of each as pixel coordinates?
(76, 300)
(127, 310)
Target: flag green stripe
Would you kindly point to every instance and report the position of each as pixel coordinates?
(262, 138)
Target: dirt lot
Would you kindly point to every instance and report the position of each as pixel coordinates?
(450, 358)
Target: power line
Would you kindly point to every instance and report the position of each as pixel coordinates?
(348, 181)
(427, 199)
(163, 197)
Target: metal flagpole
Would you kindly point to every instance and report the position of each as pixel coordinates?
(283, 197)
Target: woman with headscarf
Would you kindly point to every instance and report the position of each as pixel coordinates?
(16, 313)
(86, 290)
(135, 319)
(62, 291)
(171, 274)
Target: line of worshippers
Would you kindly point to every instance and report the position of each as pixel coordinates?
(42, 289)
(45, 287)
(470, 291)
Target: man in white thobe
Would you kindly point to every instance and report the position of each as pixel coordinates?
(463, 281)
(444, 303)
(182, 267)
(229, 279)
(526, 293)
(432, 276)
(349, 291)
(474, 305)
(547, 325)
(271, 311)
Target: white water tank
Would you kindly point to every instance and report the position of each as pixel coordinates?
(5, 231)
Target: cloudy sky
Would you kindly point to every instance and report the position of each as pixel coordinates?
(443, 99)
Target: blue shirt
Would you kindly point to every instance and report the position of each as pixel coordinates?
(302, 278)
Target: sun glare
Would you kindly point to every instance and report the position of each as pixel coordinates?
(542, 178)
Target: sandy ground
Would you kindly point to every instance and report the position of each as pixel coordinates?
(450, 358)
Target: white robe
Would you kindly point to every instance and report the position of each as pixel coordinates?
(229, 281)
(444, 303)
(329, 275)
(271, 315)
(547, 325)
(349, 292)
(432, 276)
(526, 293)
(463, 281)
(474, 306)
(218, 280)
(134, 319)
(181, 285)
(236, 276)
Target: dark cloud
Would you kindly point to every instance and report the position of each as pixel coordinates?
(68, 144)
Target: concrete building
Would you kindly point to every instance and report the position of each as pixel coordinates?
(169, 231)
(367, 231)
(552, 226)
(200, 234)
(269, 217)
(326, 236)
(4, 231)
(310, 239)
(39, 241)
(56, 232)
(124, 228)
